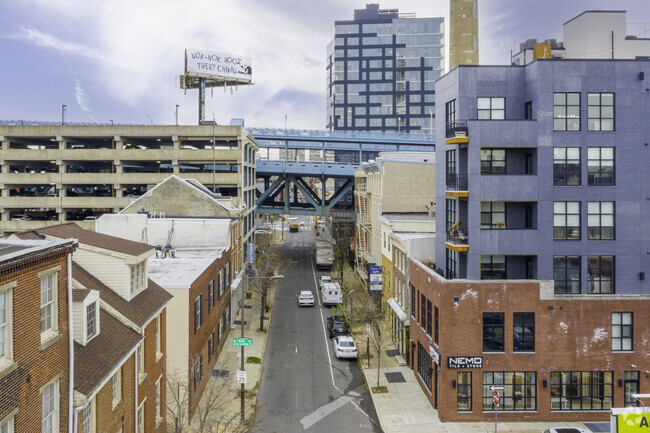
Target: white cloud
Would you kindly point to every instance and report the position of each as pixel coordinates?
(81, 97)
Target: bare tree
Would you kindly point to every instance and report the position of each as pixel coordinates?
(269, 260)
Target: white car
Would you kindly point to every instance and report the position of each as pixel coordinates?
(324, 279)
(567, 430)
(344, 347)
(306, 299)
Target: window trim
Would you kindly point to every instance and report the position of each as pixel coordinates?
(591, 283)
(510, 391)
(490, 110)
(600, 112)
(159, 351)
(494, 339)
(492, 225)
(622, 327)
(491, 267)
(566, 227)
(560, 166)
(55, 384)
(53, 331)
(467, 395)
(600, 225)
(519, 319)
(91, 410)
(600, 171)
(94, 304)
(566, 106)
(141, 416)
(566, 279)
(116, 388)
(562, 387)
(7, 360)
(487, 165)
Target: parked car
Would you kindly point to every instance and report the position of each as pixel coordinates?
(344, 347)
(567, 430)
(337, 325)
(306, 298)
(324, 279)
(293, 227)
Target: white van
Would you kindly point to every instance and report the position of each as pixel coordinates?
(332, 294)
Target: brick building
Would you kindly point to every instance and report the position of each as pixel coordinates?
(35, 343)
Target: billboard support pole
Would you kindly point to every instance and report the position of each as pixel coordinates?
(201, 100)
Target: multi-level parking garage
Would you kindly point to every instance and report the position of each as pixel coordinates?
(56, 173)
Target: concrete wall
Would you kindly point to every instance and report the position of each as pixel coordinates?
(407, 187)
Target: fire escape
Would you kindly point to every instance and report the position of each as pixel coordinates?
(363, 226)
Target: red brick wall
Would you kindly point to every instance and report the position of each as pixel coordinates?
(570, 335)
(154, 370)
(21, 387)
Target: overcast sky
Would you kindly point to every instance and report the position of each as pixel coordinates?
(120, 59)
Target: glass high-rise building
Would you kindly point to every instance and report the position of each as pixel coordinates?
(381, 71)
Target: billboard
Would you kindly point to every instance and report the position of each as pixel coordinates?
(375, 277)
(211, 64)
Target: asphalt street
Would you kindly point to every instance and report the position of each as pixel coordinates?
(303, 386)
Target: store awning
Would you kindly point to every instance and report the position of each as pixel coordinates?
(403, 317)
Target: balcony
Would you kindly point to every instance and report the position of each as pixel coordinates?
(457, 239)
(457, 185)
(457, 132)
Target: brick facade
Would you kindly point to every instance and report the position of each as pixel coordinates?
(572, 334)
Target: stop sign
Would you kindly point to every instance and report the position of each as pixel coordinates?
(495, 398)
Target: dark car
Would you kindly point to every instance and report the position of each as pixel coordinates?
(337, 325)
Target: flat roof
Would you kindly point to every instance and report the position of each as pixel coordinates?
(180, 272)
(415, 216)
(412, 235)
(13, 248)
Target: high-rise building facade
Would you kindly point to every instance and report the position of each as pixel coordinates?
(463, 33)
(381, 71)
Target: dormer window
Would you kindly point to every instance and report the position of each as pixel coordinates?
(91, 320)
(138, 275)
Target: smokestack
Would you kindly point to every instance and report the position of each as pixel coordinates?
(463, 33)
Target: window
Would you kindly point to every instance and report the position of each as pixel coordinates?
(600, 111)
(493, 332)
(141, 367)
(198, 371)
(600, 274)
(566, 274)
(88, 421)
(158, 336)
(48, 305)
(622, 331)
(493, 161)
(581, 390)
(50, 407)
(491, 108)
(413, 299)
(7, 426)
(6, 325)
(519, 393)
(631, 387)
(523, 332)
(425, 366)
(600, 220)
(436, 325)
(566, 220)
(493, 268)
(452, 260)
(450, 156)
(116, 386)
(464, 391)
(493, 214)
(451, 212)
(429, 324)
(600, 166)
(450, 113)
(423, 312)
(198, 312)
(141, 418)
(138, 274)
(210, 346)
(566, 166)
(91, 320)
(566, 111)
(528, 110)
(158, 402)
(210, 295)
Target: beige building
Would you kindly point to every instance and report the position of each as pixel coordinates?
(463, 33)
(57, 173)
(393, 183)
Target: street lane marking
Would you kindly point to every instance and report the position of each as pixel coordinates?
(327, 409)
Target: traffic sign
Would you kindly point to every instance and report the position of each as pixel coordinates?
(368, 330)
(241, 376)
(497, 388)
(495, 398)
(242, 341)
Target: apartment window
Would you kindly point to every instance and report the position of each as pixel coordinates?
(600, 166)
(141, 367)
(600, 111)
(210, 295)
(50, 407)
(198, 371)
(566, 111)
(116, 382)
(600, 220)
(523, 332)
(49, 308)
(429, 320)
(88, 421)
(528, 110)
(413, 299)
(631, 380)
(6, 326)
(622, 331)
(436, 324)
(91, 320)
(493, 324)
(452, 260)
(450, 113)
(600, 274)
(566, 274)
(219, 331)
(519, 393)
(158, 402)
(493, 214)
(581, 390)
(210, 346)
(464, 391)
(451, 212)
(158, 336)
(7, 426)
(566, 166)
(493, 161)
(423, 312)
(491, 108)
(141, 417)
(566, 220)
(450, 156)
(493, 267)
(425, 366)
(198, 312)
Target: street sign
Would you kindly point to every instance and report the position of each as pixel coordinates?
(241, 376)
(242, 341)
(495, 398)
(250, 248)
(497, 388)
(368, 331)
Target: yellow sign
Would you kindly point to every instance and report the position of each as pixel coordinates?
(541, 51)
(634, 422)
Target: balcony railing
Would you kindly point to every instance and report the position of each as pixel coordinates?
(457, 129)
(458, 236)
(456, 182)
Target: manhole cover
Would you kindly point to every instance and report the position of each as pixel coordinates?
(394, 377)
(392, 352)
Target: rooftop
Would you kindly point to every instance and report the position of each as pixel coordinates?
(414, 216)
(181, 271)
(11, 249)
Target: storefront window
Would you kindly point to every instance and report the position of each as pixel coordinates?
(425, 366)
(581, 390)
(519, 393)
(464, 391)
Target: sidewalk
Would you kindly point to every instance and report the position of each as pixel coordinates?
(405, 407)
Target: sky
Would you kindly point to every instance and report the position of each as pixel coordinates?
(120, 60)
